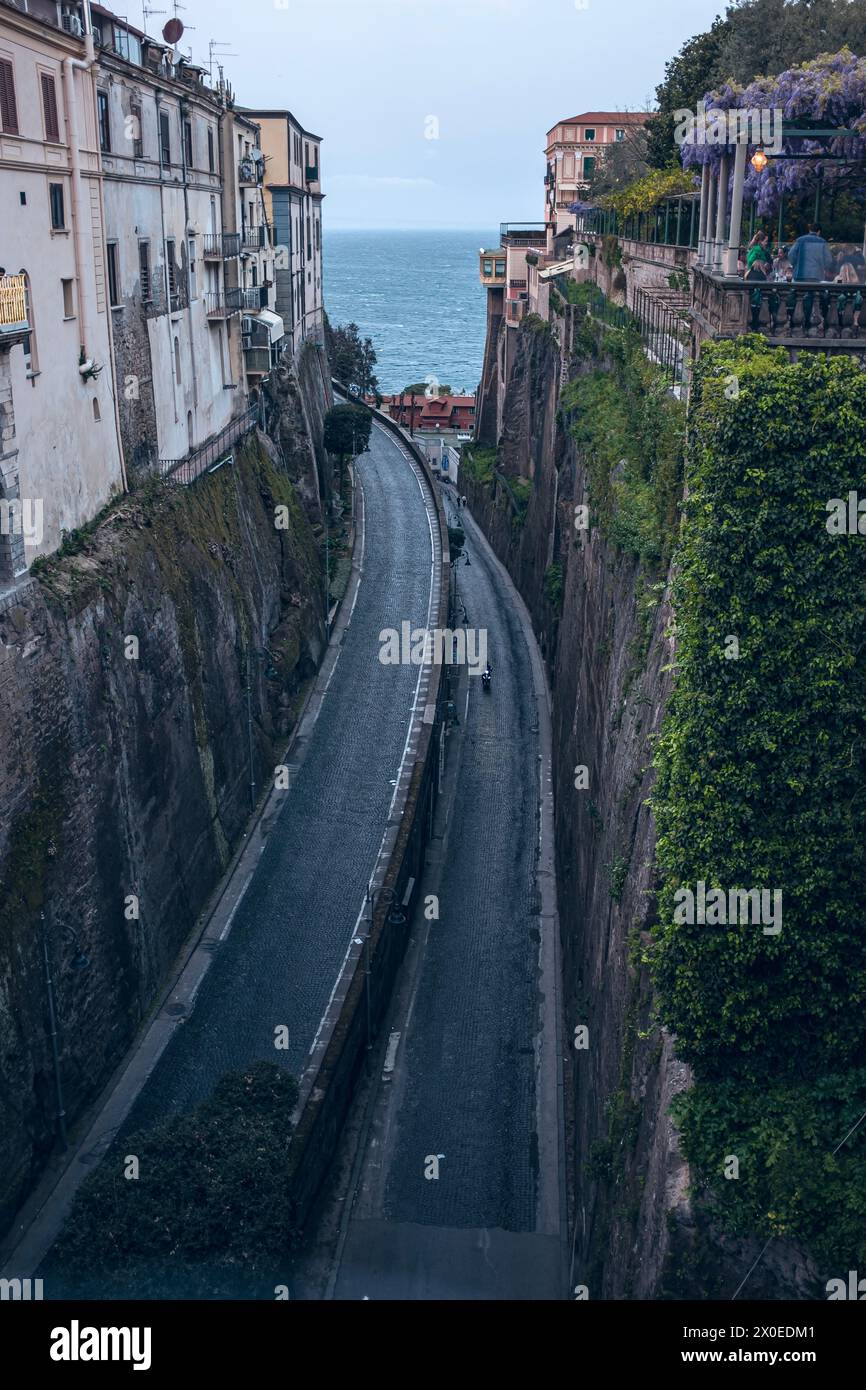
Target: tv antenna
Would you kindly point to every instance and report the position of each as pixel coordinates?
(212, 54)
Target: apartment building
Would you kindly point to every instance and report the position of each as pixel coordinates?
(60, 455)
(572, 150)
(292, 181)
(248, 235)
(172, 312)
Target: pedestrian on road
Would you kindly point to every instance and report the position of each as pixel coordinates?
(464, 501)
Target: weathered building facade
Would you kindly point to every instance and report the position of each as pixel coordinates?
(292, 181)
(60, 456)
(159, 133)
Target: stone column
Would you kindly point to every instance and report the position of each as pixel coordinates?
(730, 266)
(710, 210)
(721, 214)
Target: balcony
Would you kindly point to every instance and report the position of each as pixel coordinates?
(311, 173)
(221, 246)
(221, 304)
(14, 324)
(523, 233)
(817, 315)
(257, 360)
(250, 172)
(252, 300)
(515, 310)
(253, 238)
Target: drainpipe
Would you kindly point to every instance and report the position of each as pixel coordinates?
(70, 65)
(184, 111)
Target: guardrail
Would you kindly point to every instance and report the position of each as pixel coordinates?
(363, 990)
(187, 469)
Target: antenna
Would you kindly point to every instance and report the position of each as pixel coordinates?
(211, 50)
(146, 12)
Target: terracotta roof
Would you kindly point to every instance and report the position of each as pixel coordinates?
(605, 118)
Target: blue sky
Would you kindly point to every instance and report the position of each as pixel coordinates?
(368, 75)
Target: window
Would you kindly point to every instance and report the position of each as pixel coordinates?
(487, 267)
(68, 300)
(619, 134)
(96, 411)
(58, 210)
(113, 277)
(500, 267)
(164, 138)
(177, 361)
(144, 271)
(135, 131)
(104, 121)
(8, 107)
(171, 271)
(191, 264)
(588, 165)
(49, 108)
(589, 134)
(187, 143)
(211, 157)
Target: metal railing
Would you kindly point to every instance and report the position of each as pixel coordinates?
(13, 302)
(252, 300)
(253, 238)
(664, 324)
(215, 451)
(222, 245)
(673, 222)
(219, 304)
(250, 170)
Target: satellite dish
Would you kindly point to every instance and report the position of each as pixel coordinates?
(173, 31)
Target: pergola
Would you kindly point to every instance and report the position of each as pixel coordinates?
(719, 235)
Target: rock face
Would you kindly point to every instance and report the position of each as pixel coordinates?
(148, 682)
(605, 654)
(604, 632)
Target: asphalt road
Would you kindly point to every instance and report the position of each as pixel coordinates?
(461, 1078)
(280, 961)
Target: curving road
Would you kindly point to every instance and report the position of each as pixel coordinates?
(470, 1070)
(291, 931)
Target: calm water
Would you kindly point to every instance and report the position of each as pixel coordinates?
(417, 295)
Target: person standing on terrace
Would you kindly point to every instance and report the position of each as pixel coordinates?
(811, 257)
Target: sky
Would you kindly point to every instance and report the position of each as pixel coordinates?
(434, 112)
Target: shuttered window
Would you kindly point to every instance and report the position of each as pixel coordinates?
(49, 108)
(8, 109)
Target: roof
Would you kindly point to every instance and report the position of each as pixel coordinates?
(267, 113)
(621, 118)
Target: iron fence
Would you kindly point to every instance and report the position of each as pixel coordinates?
(216, 450)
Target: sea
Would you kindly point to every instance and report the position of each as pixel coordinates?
(418, 296)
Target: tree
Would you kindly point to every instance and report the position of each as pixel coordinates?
(347, 431)
(352, 358)
(210, 1212)
(696, 68)
(624, 162)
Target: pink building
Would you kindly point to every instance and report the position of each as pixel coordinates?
(573, 149)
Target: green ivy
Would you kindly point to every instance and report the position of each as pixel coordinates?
(761, 782)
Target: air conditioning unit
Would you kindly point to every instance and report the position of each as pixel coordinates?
(247, 326)
(72, 24)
